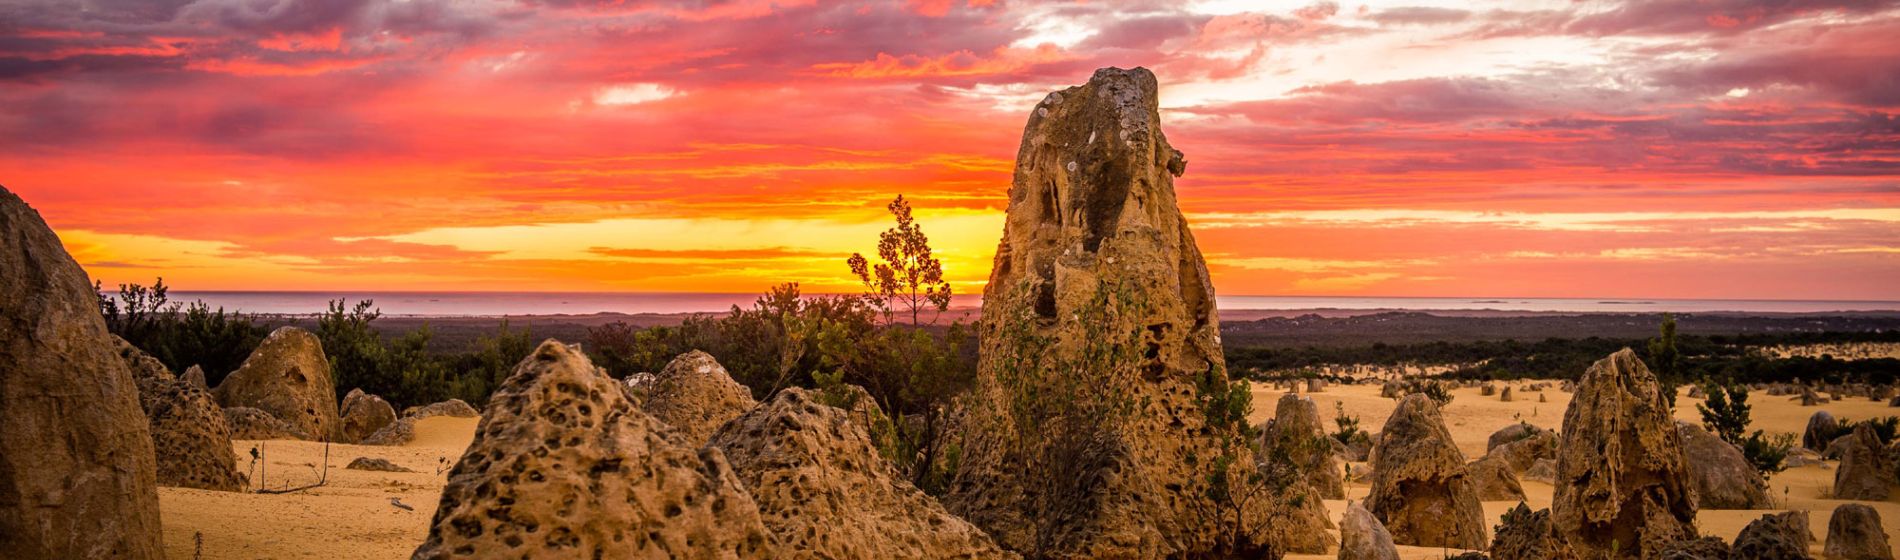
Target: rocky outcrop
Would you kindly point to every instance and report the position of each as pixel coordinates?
(696, 396)
(1527, 535)
(250, 423)
(1866, 472)
(377, 464)
(364, 414)
(1722, 477)
(288, 377)
(1362, 537)
(454, 408)
(1822, 428)
(1095, 253)
(403, 430)
(1699, 548)
(564, 465)
(1543, 470)
(1522, 455)
(1512, 434)
(190, 436)
(1295, 436)
(1854, 532)
(77, 475)
(1419, 485)
(1493, 478)
(196, 377)
(822, 488)
(1776, 536)
(1621, 485)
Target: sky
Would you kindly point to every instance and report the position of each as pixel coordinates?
(1642, 148)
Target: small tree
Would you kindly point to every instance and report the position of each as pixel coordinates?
(1726, 413)
(1348, 425)
(909, 276)
(1666, 360)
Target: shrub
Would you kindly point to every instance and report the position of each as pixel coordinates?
(181, 336)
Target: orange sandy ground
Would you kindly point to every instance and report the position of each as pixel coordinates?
(351, 516)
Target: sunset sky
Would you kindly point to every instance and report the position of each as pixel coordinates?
(1658, 148)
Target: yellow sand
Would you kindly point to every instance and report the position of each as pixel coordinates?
(351, 516)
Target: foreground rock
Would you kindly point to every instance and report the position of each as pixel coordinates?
(1527, 535)
(77, 474)
(1419, 487)
(1776, 536)
(1093, 224)
(1362, 537)
(696, 396)
(824, 491)
(1722, 477)
(364, 414)
(288, 377)
(1866, 472)
(564, 465)
(190, 435)
(1621, 485)
(1854, 532)
(1295, 436)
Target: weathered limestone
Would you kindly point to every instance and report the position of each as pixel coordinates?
(1494, 479)
(364, 414)
(1527, 535)
(77, 475)
(1621, 485)
(1819, 432)
(288, 377)
(1362, 537)
(695, 396)
(1295, 436)
(1776, 536)
(1854, 532)
(1866, 472)
(1722, 477)
(1419, 484)
(190, 435)
(250, 423)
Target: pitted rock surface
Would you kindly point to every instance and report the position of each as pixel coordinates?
(1526, 535)
(825, 492)
(1493, 478)
(1512, 434)
(454, 408)
(250, 423)
(1776, 536)
(1092, 210)
(1866, 471)
(1854, 532)
(364, 414)
(289, 377)
(1621, 482)
(77, 474)
(1295, 436)
(190, 435)
(696, 396)
(1419, 486)
(378, 464)
(195, 375)
(563, 465)
(1723, 478)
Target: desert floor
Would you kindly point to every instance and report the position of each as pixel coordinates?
(352, 515)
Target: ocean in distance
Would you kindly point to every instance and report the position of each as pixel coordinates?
(487, 304)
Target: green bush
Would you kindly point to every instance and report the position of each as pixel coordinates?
(182, 335)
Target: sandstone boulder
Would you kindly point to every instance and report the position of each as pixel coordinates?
(1722, 477)
(1854, 532)
(189, 432)
(696, 396)
(77, 474)
(1523, 454)
(1543, 470)
(1776, 536)
(1419, 486)
(403, 430)
(1507, 395)
(1095, 252)
(1866, 472)
(378, 464)
(564, 465)
(822, 488)
(1295, 436)
(1362, 537)
(364, 414)
(288, 377)
(1493, 478)
(1621, 484)
(1527, 535)
(1822, 428)
(454, 408)
(250, 423)
(196, 377)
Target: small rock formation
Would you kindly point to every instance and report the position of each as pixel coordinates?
(1722, 477)
(1419, 487)
(453, 408)
(1526, 535)
(696, 396)
(364, 414)
(196, 377)
(564, 465)
(1493, 478)
(1362, 537)
(288, 377)
(189, 431)
(1854, 532)
(1802, 457)
(378, 464)
(1821, 429)
(1699, 548)
(1488, 389)
(1092, 216)
(403, 430)
(1506, 395)
(822, 488)
(1809, 398)
(1295, 436)
(250, 423)
(1776, 536)
(1696, 392)
(1621, 485)
(1866, 472)
(1522, 455)
(77, 474)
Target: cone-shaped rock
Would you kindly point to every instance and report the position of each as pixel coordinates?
(1362, 537)
(1100, 304)
(364, 414)
(288, 377)
(1854, 532)
(1419, 484)
(563, 465)
(1295, 436)
(1866, 472)
(189, 432)
(825, 492)
(696, 396)
(1723, 477)
(1621, 485)
(77, 475)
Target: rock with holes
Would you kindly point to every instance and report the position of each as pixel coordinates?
(1096, 255)
(1494, 479)
(564, 465)
(1723, 478)
(377, 464)
(1294, 435)
(1419, 485)
(1512, 434)
(364, 414)
(1621, 483)
(825, 492)
(288, 377)
(454, 408)
(190, 435)
(77, 476)
(1866, 472)
(1522, 455)
(1362, 537)
(1854, 532)
(1776, 536)
(1699, 548)
(1523, 534)
(195, 375)
(696, 396)
(250, 423)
